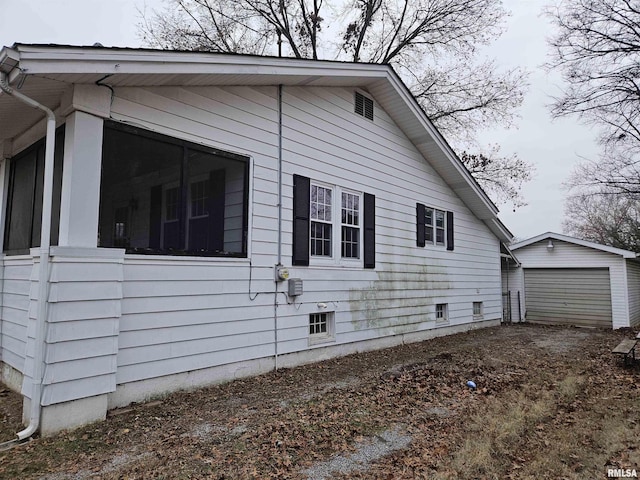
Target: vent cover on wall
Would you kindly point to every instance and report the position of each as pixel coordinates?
(295, 287)
(364, 106)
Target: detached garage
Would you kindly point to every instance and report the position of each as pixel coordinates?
(565, 280)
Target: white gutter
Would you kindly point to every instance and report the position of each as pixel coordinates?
(43, 274)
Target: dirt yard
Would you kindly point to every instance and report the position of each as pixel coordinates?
(549, 403)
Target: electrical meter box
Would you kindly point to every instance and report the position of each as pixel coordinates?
(295, 287)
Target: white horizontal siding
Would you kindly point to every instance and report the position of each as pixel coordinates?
(82, 333)
(326, 141)
(185, 315)
(633, 285)
(513, 282)
(569, 255)
(14, 313)
(181, 314)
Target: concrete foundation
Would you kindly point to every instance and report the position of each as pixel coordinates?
(11, 377)
(74, 414)
(149, 389)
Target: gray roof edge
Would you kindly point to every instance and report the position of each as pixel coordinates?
(574, 240)
(32, 54)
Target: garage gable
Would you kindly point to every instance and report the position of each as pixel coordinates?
(573, 281)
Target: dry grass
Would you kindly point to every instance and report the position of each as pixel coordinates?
(502, 428)
(551, 403)
(10, 413)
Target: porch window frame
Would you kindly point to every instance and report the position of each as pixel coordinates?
(184, 192)
(9, 187)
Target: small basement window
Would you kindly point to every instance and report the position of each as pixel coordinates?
(477, 309)
(321, 327)
(364, 106)
(441, 312)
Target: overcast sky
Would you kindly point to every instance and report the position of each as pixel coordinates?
(553, 147)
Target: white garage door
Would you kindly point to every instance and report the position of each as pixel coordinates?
(574, 296)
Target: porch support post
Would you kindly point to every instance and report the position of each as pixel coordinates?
(80, 200)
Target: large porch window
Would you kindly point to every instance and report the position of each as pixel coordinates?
(24, 197)
(161, 195)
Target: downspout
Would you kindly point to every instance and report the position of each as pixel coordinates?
(43, 274)
(275, 298)
(508, 292)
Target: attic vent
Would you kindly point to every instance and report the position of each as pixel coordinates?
(364, 106)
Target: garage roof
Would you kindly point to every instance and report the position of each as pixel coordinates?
(576, 241)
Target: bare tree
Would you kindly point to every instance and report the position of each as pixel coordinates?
(502, 177)
(432, 44)
(612, 220)
(597, 50)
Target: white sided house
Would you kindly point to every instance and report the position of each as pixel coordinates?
(566, 280)
(204, 217)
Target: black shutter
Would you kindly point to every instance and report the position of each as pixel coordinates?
(449, 230)
(301, 194)
(420, 227)
(155, 217)
(216, 210)
(369, 231)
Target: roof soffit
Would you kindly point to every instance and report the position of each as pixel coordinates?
(58, 67)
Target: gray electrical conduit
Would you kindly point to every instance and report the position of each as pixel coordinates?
(43, 274)
(275, 297)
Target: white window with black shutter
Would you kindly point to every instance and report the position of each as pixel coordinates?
(332, 225)
(434, 227)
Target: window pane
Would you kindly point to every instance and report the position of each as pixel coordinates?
(428, 221)
(218, 207)
(134, 166)
(199, 196)
(350, 207)
(350, 242)
(428, 217)
(317, 323)
(181, 198)
(171, 207)
(429, 234)
(320, 207)
(439, 227)
(20, 201)
(24, 198)
(321, 239)
(121, 227)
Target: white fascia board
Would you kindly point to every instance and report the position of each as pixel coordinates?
(576, 241)
(503, 233)
(499, 230)
(60, 60)
(9, 59)
(9, 62)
